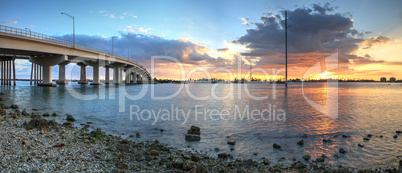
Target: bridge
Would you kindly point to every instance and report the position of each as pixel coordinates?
(44, 52)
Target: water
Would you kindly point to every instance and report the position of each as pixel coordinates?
(363, 108)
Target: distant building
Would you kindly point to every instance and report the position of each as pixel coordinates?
(392, 79)
(383, 79)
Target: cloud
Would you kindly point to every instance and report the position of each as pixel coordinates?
(222, 49)
(245, 21)
(10, 22)
(313, 30)
(102, 11)
(31, 26)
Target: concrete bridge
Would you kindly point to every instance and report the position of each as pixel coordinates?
(44, 52)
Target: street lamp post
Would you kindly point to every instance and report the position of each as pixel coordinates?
(73, 27)
(112, 44)
(29, 31)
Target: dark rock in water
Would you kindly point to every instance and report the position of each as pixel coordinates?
(369, 135)
(232, 149)
(216, 149)
(54, 114)
(345, 136)
(193, 132)
(266, 162)
(307, 157)
(276, 146)
(360, 145)
(299, 165)
(366, 139)
(255, 154)
(395, 136)
(326, 140)
(304, 135)
(320, 159)
(177, 163)
(300, 142)
(70, 118)
(225, 156)
(200, 169)
(35, 109)
(46, 114)
(14, 106)
(381, 136)
(247, 163)
(138, 135)
(231, 142)
(342, 150)
(192, 137)
(162, 130)
(195, 128)
(398, 132)
(336, 155)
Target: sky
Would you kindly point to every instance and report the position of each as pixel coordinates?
(212, 35)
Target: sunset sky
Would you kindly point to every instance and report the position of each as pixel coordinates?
(366, 35)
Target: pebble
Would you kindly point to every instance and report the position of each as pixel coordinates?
(276, 146)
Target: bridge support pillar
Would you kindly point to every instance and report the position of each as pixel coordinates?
(134, 77)
(107, 75)
(47, 63)
(116, 75)
(83, 74)
(95, 64)
(62, 73)
(128, 76)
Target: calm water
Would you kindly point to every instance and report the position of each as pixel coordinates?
(364, 108)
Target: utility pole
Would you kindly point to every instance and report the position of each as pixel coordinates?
(286, 47)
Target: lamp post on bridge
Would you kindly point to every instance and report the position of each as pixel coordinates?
(112, 44)
(29, 31)
(73, 27)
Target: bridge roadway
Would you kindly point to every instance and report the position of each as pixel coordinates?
(45, 52)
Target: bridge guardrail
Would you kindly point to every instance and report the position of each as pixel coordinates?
(39, 36)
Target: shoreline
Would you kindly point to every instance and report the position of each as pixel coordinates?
(31, 143)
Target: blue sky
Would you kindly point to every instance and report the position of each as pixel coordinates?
(212, 24)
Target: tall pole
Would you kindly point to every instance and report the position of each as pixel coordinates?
(72, 17)
(112, 44)
(14, 71)
(286, 47)
(31, 73)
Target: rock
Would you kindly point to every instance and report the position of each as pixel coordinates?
(14, 115)
(360, 145)
(345, 136)
(122, 166)
(300, 142)
(307, 157)
(276, 146)
(192, 137)
(395, 136)
(255, 154)
(200, 169)
(266, 162)
(187, 165)
(366, 139)
(67, 124)
(299, 165)
(216, 149)
(177, 163)
(70, 118)
(46, 114)
(86, 141)
(398, 132)
(232, 149)
(3, 112)
(124, 141)
(138, 135)
(154, 152)
(369, 135)
(381, 136)
(225, 156)
(241, 170)
(35, 109)
(326, 140)
(40, 124)
(193, 132)
(320, 159)
(25, 113)
(195, 158)
(54, 114)
(231, 142)
(195, 128)
(14, 106)
(342, 150)
(247, 163)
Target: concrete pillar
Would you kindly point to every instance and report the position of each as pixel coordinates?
(62, 73)
(134, 77)
(127, 76)
(48, 62)
(83, 74)
(116, 75)
(96, 79)
(121, 75)
(107, 79)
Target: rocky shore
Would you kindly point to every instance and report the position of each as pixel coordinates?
(32, 143)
